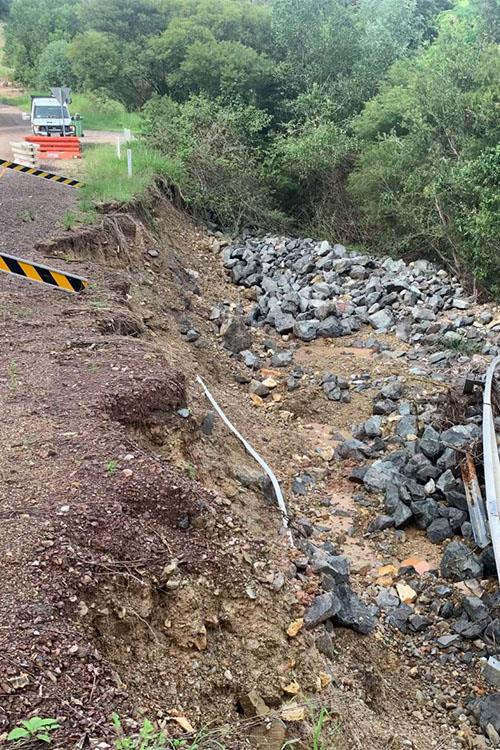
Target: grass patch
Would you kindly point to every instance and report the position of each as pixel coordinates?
(106, 178)
(462, 345)
(97, 113)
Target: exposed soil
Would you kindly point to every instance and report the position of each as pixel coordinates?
(140, 572)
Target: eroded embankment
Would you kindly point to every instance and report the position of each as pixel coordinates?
(144, 569)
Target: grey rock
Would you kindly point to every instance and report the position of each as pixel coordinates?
(259, 388)
(192, 335)
(354, 449)
(407, 426)
(282, 359)
(324, 644)
(425, 512)
(284, 322)
(208, 423)
(381, 474)
(307, 330)
(373, 426)
(487, 558)
(393, 390)
(353, 613)
(398, 618)
(384, 406)
(448, 460)
(460, 304)
(329, 328)
(439, 530)
(380, 523)
(492, 633)
(386, 600)
(487, 711)
(445, 641)
(491, 671)
(236, 336)
(437, 357)
(475, 608)
(402, 515)
(382, 320)
(323, 607)
(430, 443)
(446, 482)
(250, 359)
(302, 483)
(460, 563)
(419, 622)
(336, 566)
(468, 629)
(461, 436)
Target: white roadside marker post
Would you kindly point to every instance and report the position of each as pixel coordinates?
(129, 162)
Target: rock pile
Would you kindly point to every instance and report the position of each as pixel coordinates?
(338, 604)
(315, 290)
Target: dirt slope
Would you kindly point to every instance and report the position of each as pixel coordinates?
(144, 571)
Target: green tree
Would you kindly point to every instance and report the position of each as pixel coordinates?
(32, 25)
(429, 132)
(54, 66)
(102, 63)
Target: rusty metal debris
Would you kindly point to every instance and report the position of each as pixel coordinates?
(475, 502)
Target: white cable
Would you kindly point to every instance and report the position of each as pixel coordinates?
(277, 489)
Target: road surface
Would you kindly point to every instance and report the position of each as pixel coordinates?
(14, 128)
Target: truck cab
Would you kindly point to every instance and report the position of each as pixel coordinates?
(47, 117)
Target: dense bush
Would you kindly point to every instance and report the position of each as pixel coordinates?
(366, 121)
(427, 162)
(218, 147)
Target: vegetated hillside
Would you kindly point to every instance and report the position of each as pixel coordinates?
(372, 122)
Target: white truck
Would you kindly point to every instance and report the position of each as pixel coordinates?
(48, 117)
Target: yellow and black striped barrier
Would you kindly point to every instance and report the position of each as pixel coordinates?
(69, 181)
(43, 274)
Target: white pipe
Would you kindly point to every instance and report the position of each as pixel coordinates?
(277, 489)
(491, 464)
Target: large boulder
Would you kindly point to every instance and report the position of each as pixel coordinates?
(235, 335)
(459, 562)
(487, 711)
(323, 607)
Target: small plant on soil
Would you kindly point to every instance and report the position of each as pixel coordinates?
(27, 214)
(463, 345)
(191, 470)
(35, 729)
(150, 738)
(13, 374)
(70, 219)
(111, 466)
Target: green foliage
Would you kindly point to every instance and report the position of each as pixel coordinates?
(149, 738)
(428, 161)
(36, 729)
(54, 66)
(220, 150)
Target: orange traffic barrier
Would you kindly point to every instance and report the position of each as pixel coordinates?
(56, 147)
